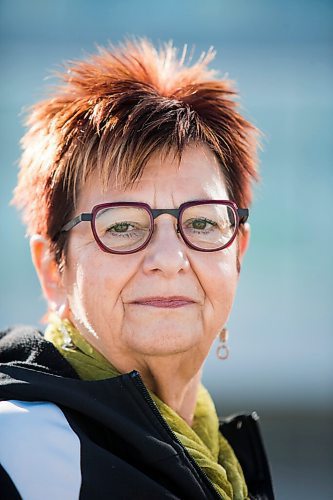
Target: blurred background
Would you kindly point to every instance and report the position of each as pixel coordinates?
(280, 55)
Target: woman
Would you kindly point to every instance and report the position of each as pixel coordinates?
(135, 183)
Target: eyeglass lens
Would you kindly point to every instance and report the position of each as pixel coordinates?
(126, 228)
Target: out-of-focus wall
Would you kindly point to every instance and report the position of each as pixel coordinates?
(280, 54)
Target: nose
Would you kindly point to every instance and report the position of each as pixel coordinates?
(166, 252)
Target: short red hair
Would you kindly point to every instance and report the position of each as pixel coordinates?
(111, 112)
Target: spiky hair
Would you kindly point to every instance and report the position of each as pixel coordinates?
(111, 112)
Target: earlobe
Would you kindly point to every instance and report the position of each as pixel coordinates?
(47, 271)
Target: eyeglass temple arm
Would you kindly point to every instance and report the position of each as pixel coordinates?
(76, 221)
(243, 214)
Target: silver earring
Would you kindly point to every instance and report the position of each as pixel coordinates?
(222, 351)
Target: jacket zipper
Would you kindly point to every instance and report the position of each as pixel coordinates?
(143, 389)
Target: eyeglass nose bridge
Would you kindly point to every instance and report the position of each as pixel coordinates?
(156, 212)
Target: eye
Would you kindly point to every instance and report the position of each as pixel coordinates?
(200, 224)
(125, 229)
(120, 227)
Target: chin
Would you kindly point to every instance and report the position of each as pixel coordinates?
(162, 342)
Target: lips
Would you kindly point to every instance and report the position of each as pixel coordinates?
(166, 302)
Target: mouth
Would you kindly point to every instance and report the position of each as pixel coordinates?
(164, 302)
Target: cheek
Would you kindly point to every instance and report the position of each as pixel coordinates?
(225, 282)
(94, 285)
(218, 278)
(218, 272)
(85, 292)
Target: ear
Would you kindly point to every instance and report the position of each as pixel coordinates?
(48, 273)
(243, 240)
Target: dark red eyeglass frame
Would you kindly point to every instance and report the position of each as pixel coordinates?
(241, 214)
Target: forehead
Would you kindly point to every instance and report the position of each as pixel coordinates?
(165, 179)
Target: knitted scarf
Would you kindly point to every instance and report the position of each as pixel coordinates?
(203, 441)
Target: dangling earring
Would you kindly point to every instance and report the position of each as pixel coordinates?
(222, 351)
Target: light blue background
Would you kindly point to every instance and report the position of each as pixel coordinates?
(280, 54)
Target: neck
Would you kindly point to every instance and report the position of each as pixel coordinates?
(177, 391)
(175, 385)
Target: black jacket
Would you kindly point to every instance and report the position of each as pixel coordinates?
(127, 451)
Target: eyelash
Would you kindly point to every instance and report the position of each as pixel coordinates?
(212, 224)
(126, 234)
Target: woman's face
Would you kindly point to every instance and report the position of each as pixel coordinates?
(106, 293)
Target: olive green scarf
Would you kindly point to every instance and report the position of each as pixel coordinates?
(203, 440)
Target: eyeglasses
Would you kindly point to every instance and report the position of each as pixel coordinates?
(127, 227)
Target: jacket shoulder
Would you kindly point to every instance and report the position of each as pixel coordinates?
(26, 345)
(243, 434)
(18, 343)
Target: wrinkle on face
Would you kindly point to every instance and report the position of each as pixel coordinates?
(101, 286)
